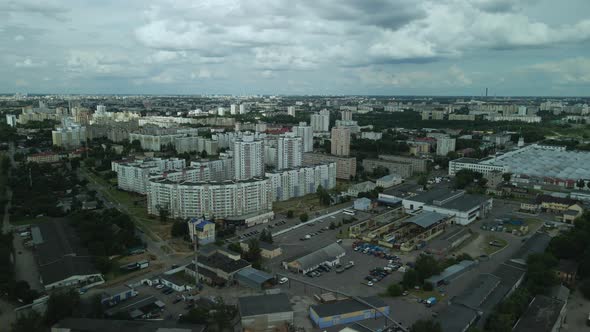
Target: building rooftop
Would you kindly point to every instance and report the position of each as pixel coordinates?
(222, 262)
(456, 317)
(449, 199)
(426, 219)
(536, 244)
(479, 290)
(107, 325)
(257, 276)
(346, 306)
(66, 267)
(321, 255)
(264, 304)
(541, 315)
(553, 199)
(450, 271)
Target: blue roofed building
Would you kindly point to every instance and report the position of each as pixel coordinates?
(203, 230)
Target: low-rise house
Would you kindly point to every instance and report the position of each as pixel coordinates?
(267, 250)
(566, 271)
(265, 312)
(359, 188)
(326, 315)
(329, 255)
(572, 212)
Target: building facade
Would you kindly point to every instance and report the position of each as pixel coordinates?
(345, 166)
(444, 145)
(289, 151)
(248, 158)
(306, 133)
(300, 181)
(340, 139)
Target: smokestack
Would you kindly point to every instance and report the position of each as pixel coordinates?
(486, 92)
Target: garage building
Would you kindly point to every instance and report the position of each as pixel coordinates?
(329, 255)
(265, 312)
(346, 311)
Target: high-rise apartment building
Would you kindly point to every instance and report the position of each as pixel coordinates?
(306, 133)
(291, 111)
(340, 138)
(346, 115)
(233, 109)
(243, 109)
(248, 158)
(321, 121)
(11, 120)
(444, 145)
(69, 135)
(289, 151)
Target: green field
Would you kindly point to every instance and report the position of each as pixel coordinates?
(490, 249)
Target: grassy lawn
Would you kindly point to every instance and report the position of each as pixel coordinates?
(489, 249)
(27, 220)
(307, 204)
(425, 295)
(134, 204)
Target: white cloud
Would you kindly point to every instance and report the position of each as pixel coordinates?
(453, 76)
(569, 71)
(28, 63)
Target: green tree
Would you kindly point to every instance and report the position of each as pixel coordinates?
(290, 214)
(506, 177)
(303, 217)
(164, 214)
(423, 180)
(198, 315)
(426, 326)
(585, 289)
(253, 255)
(410, 279)
(204, 154)
(580, 184)
(324, 196)
(179, 229)
(61, 305)
(223, 314)
(32, 321)
(426, 266)
(332, 225)
(394, 290)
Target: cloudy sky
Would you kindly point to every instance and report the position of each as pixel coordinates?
(395, 47)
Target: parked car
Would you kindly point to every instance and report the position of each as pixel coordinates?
(283, 280)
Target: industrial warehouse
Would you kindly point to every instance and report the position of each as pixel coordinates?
(533, 164)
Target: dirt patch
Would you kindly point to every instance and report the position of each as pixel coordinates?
(180, 245)
(122, 279)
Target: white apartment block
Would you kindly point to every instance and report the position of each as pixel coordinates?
(219, 170)
(444, 145)
(520, 118)
(291, 110)
(289, 151)
(209, 199)
(306, 133)
(248, 156)
(372, 135)
(243, 109)
(300, 181)
(195, 143)
(227, 140)
(233, 109)
(72, 136)
(346, 115)
(11, 120)
(133, 175)
(154, 142)
(321, 121)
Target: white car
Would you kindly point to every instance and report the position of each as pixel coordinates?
(283, 280)
(370, 284)
(159, 286)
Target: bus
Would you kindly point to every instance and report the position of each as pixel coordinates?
(348, 212)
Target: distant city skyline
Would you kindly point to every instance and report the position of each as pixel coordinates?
(270, 47)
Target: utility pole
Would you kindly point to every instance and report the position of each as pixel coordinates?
(195, 241)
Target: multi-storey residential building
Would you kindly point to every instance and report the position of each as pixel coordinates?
(372, 135)
(153, 142)
(289, 151)
(209, 199)
(346, 115)
(321, 121)
(340, 139)
(444, 145)
(306, 133)
(220, 170)
(195, 143)
(44, 158)
(11, 120)
(233, 109)
(132, 175)
(418, 165)
(70, 136)
(526, 118)
(404, 169)
(345, 166)
(462, 117)
(291, 110)
(300, 181)
(248, 158)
